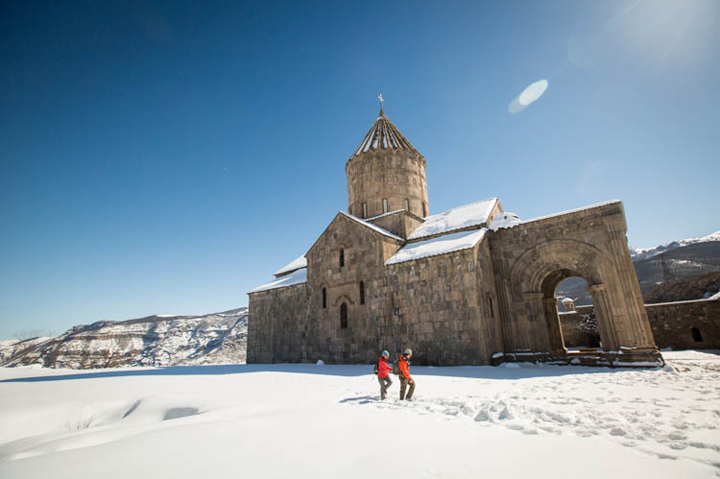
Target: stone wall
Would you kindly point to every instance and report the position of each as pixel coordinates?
(575, 334)
(435, 310)
(672, 324)
(365, 251)
(279, 330)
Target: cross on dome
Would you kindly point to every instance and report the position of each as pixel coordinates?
(381, 103)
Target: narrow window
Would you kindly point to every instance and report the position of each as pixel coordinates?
(342, 258)
(362, 292)
(697, 336)
(324, 298)
(385, 205)
(407, 204)
(343, 316)
(490, 305)
(364, 207)
(424, 210)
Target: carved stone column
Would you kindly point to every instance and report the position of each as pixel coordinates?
(605, 319)
(533, 327)
(555, 335)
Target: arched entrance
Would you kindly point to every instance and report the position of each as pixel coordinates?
(537, 274)
(577, 315)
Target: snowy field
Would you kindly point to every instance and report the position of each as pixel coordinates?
(285, 421)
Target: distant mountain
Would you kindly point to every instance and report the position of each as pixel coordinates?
(639, 254)
(671, 262)
(219, 338)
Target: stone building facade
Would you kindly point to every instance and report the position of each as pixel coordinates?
(472, 285)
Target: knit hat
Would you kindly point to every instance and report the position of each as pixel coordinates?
(408, 351)
(385, 354)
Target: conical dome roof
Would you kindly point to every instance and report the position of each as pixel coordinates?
(384, 135)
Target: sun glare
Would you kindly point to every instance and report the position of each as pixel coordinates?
(529, 95)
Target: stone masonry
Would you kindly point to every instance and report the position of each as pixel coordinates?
(467, 286)
(678, 325)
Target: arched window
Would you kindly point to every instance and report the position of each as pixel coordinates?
(364, 210)
(324, 298)
(343, 316)
(342, 257)
(697, 336)
(424, 210)
(407, 204)
(385, 206)
(362, 292)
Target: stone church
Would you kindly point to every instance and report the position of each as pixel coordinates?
(472, 285)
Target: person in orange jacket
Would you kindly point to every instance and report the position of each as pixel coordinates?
(405, 378)
(383, 373)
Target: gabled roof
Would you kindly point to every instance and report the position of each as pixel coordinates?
(384, 135)
(372, 226)
(297, 277)
(449, 243)
(355, 219)
(297, 263)
(473, 214)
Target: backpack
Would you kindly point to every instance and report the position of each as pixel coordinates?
(396, 368)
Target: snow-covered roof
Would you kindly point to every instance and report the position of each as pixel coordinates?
(297, 263)
(441, 245)
(715, 296)
(372, 226)
(297, 277)
(455, 219)
(383, 134)
(576, 210)
(504, 220)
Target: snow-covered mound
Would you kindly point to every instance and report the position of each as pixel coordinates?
(219, 338)
(310, 421)
(638, 254)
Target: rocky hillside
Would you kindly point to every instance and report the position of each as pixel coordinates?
(675, 261)
(701, 287)
(219, 338)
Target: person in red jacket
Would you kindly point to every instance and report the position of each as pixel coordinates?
(405, 378)
(383, 370)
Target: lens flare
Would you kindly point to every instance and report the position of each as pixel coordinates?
(529, 95)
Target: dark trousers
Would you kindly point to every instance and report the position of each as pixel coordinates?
(385, 383)
(403, 384)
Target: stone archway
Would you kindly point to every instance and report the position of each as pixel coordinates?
(536, 275)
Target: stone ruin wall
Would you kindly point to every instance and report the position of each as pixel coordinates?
(671, 324)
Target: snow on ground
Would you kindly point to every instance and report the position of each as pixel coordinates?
(326, 421)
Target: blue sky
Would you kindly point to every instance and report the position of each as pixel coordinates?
(167, 157)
